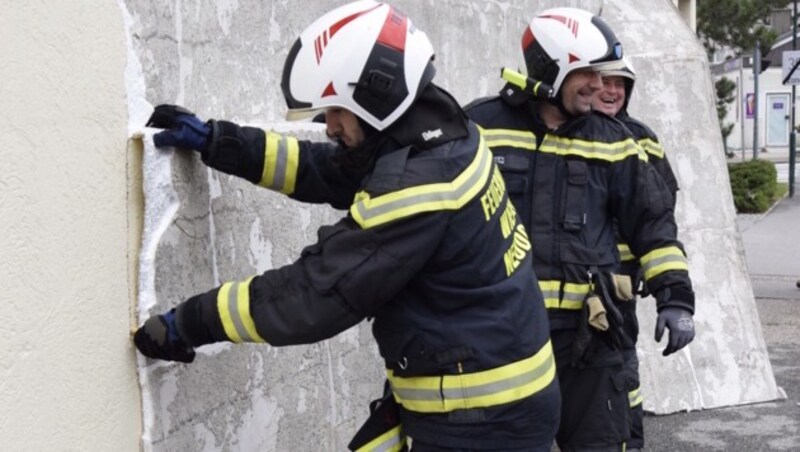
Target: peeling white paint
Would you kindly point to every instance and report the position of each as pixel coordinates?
(159, 213)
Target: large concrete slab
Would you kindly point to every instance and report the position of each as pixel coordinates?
(728, 363)
(224, 59)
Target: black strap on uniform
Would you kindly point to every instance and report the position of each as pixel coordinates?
(575, 196)
(615, 319)
(384, 416)
(585, 334)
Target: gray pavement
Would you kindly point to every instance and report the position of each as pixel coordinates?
(772, 246)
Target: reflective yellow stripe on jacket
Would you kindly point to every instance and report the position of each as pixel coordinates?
(392, 441)
(571, 298)
(625, 253)
(370, 212)
(635, 397)
(233, 305)
(522, 139)
(281, 158)
(505, 384)
(596, 150)
(653, 148)
(662, 260)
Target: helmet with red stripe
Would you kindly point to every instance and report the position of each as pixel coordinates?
(561, 40)
(364, 56)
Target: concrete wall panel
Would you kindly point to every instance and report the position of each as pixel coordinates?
(727, 363)
(224, 59)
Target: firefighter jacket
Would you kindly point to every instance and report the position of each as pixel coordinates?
(649, 142)
(569, 185)
(431, 248)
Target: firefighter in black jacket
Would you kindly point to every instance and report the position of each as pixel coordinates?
(571, 173)
(431, 247)
(613, 100)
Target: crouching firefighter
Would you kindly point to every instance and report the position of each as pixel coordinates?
(431, 248)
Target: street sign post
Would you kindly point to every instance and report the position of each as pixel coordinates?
(791, 62)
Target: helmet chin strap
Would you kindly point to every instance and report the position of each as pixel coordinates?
(368, 130)
(558, 101)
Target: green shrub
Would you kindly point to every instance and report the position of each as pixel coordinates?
(754, 185)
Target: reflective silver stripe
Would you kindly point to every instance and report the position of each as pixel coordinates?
(590, 149)
(678, 262)
(236, 316)
(281, 158)
(575, 297)
(390, 445)
(425, 198)
(392, 440)
(279, 180)
(550, 293)
(571, 298)
(473, 391)
(512, 138)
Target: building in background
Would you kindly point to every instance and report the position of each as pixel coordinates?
(774, 104)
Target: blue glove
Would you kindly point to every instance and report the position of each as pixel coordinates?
(158, 338)
(185, 130)
(681, 328)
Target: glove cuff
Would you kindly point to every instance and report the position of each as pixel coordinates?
(223, 148)
(675, 297)
(197, 320)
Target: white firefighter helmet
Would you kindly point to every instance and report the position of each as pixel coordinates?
(364, 56)
(560, 40)
(622, 68)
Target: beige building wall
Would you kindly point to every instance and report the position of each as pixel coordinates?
(67, 368)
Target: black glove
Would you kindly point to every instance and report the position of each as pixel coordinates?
(185, 130)
(158, 339)
(681, 328)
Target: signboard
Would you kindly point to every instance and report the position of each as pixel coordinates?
(791, 73)
(749, 105)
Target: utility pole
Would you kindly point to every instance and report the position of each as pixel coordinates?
(756, 70)
(792, 137)
(742, 107)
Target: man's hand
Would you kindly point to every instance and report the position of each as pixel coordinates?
(184, 129)
(681, 328)
(158, 339)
